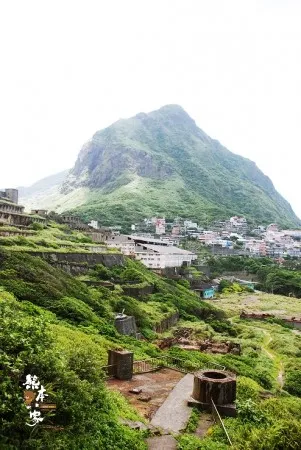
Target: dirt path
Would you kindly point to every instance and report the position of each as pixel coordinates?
(206, 421)
(280, 377)
(266, 342)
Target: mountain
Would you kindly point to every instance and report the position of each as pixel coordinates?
(43, 193)
(162, 163)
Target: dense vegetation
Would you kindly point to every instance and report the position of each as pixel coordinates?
(284, 280)
(162, 163)
(87, 416)
(263, 419)
(55, 326)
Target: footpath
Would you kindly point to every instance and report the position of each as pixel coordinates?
(172, 416)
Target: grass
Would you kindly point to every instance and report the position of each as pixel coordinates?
(279, 305)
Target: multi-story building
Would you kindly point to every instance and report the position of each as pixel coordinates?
(161, 256)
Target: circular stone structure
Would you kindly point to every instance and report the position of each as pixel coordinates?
(216, 384)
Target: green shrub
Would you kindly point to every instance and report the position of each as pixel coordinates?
(73, 309)
(293, 382)
(184, 283)
(223, 326)
(248, 411)
(247, 389)
(102, 272)
(132, 275)
(37, 226)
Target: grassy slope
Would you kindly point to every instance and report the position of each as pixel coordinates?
(66, 344)
(262, 424)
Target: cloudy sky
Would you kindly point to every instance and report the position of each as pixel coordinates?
(69, 68)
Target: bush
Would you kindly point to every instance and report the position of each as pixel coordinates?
(73, 309)
(184, 283)
(223, 326)
(247, 389)
(37, 226)
(102, 272)
(248, 411)
(293, 382)
(132, 275)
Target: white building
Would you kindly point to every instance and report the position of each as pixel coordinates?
(190, 224)
(94, 224)
(160, 257)
(123, 243)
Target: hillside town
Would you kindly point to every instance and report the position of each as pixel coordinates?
(230, 237)
(233, 236)
(158, 242)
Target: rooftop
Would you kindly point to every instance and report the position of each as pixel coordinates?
(146, 240)
(170, 250)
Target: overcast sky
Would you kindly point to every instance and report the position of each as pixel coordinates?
(70, 68)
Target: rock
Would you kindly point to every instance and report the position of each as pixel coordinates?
(144, 398)
(134, 425)
(135, 391)
(162, 443)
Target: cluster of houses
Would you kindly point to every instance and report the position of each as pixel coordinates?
(262, 241)
(155, 242)
(158, 252)
(233, 236)
(176, 228)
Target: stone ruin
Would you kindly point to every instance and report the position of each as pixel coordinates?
(223, 348)
(183, 338)
(11, 213)
(217, 386)
(120, 364)
(125, 325)
(293, 321)
(255, 315)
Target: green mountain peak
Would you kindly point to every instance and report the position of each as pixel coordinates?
(162, 163)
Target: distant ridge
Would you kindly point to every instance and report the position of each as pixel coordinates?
(43, 192)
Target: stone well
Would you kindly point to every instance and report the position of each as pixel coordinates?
(218, 385)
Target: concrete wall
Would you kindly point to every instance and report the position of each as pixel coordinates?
(12, 195)
(241, 275)
(137, 292)
(294, 323)
(126, 326)
(166, 323)
(89, 259)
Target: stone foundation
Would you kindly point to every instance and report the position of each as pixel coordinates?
(126, 325)
(122, 364)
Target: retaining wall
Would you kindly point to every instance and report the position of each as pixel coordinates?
(166, 323)
(137, 292)
(79, 263)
